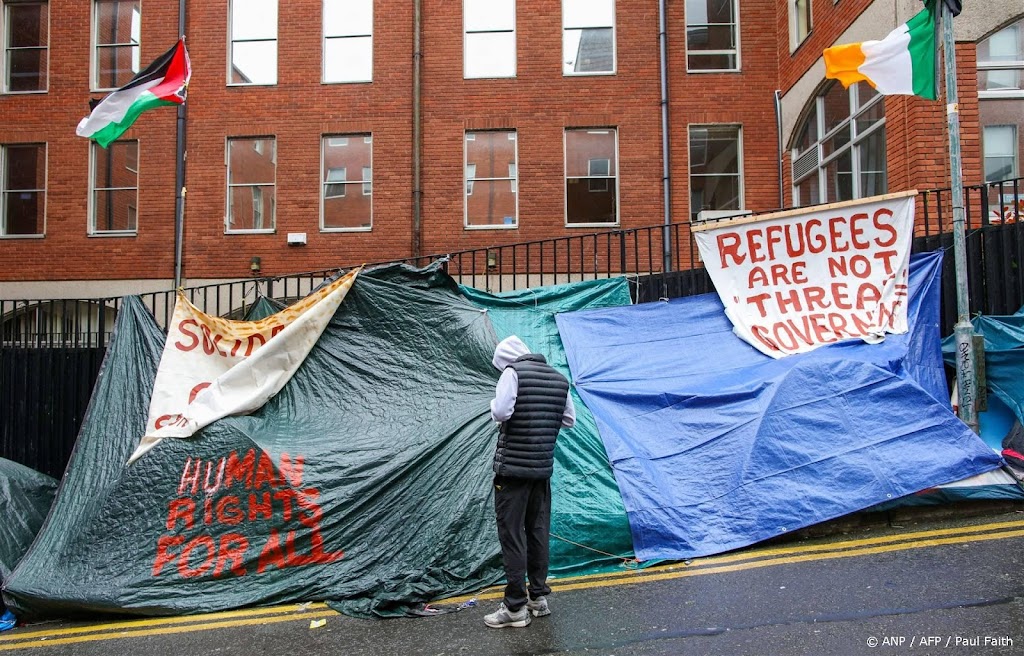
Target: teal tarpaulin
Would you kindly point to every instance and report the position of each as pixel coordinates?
(589, 527)
(25, 498)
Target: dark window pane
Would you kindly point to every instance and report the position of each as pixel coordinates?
(714, 150)
(26, 168)
(719, 192)
(837, 106)
(586, 206)
(24, 211)
(26, 70)
(808, 132)
(697, 62)
(840, 178)
(710, 37)
(28, 25)
(114, 165)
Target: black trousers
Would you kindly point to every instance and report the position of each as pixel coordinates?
(523, 510)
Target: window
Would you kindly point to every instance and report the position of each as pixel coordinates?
(22, 190)
(348, 40)
(1000, 146)
(253, 27)
(588, 37)
(1001, 63)
(800, 22)
(114, 189)
(26, 40)
(591, 177)
(492, 198)
(716, 174)
(1001, 101)
(252, 175)
(345, 201)
(117, 30)
(712, 34)
(839, 153)
(490, 38)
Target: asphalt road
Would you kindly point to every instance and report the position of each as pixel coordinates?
(953, 587)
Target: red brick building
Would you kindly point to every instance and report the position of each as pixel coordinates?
(514, 120)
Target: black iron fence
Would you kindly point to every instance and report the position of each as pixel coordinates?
(43, 396)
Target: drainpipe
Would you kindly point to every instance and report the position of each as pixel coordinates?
(778, 129)
(417, 192)
(665, 176)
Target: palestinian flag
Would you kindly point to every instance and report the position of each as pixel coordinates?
(164, 82)
(901, 63)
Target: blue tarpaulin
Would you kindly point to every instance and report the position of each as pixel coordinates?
(716, 446)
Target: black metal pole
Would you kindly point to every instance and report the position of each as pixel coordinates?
(179, 174)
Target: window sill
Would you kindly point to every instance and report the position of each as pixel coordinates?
(593, 225)
(110, 234)
(262, 231)
(496, 226)
(23, 236)
(368, 228)
(26, 93)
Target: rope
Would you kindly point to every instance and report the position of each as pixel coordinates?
(631, 563)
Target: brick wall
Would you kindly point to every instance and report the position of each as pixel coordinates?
(540, 103)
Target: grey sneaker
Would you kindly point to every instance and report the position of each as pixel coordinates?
(504, 617)
(538, 607)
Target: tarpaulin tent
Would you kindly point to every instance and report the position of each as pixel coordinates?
(589, 528)
(1004, 376)
(716, 446)
(25, 498)
(366, 480)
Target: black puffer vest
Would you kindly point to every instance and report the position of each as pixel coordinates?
(526, 445)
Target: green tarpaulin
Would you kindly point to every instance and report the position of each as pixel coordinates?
(366, 481)
(25, 498)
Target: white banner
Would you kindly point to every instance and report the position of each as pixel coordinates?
(796, 280)
(213, 367)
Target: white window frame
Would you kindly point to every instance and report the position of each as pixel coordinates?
(1012, 65)
(4, 191)
(615, 45)
(95, 46)
(734, 51)
(1014, 154)
(228, 230)
(795, 38)
(469, 179)
(231, 49)
(566, 176)
(338, 37)
(94, 149)
(366, 184)
(856, 138)
(465, 42)
(740, 178)
(6, 49)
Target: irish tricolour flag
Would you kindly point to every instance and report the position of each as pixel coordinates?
(164, 82)
(901, 63)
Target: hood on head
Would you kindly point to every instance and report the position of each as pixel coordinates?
(507, 351)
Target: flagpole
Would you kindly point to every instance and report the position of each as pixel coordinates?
(179, 172)
(967, 383)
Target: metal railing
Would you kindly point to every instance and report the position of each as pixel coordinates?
(994, 218)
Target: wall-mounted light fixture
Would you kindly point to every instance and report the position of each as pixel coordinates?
(254, 266)
(492, 259)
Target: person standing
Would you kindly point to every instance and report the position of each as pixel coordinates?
(531, 403)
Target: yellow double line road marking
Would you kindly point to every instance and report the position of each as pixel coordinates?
(751, 559)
